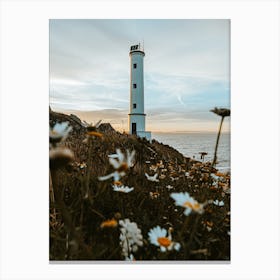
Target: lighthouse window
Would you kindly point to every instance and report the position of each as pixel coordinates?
(134, 65)
(134, 105)
(134, 86)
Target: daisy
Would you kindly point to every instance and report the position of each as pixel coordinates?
(120, 163)
(223, 112)
(82, 165)
(154, 195)
(218, 203)
(130, 238)
(123, 189)
(169, 187)
(60, 157)
(92, 130)
(174, 179)
(152, 178)
(153, 168)
(186, 201)
(158, 237)
(59, 132)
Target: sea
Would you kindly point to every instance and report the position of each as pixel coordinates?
(190, 144)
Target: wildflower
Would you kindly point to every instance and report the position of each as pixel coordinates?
(60, 157)
(169, 187)
(130, 237)
(109, 223)
(187, 174)
(160, 164)
(222, 112)
(157, 236)
(152, 178)
(208, 225)
(174, 179)
(153, 168)
(154, 195)
(218, 203)
(59, 132)
(120, 164)
(95, 133)
(82, 165)
(186, 201)
(92, 130)
(123, 189)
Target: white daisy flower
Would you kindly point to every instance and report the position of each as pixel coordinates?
(218, 203)
(120, 163)
(59, 132)
(152, 178)
(186, 201)
(60, 157)
(174, 179)
(130, 237)
(169, 187)
(116, 175)
(158, 237)
(153, 168)
(87, 125)
(154, 195)
(123, 189)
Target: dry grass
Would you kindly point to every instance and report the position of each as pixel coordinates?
(81, 203)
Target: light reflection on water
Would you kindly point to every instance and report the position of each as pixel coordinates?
(191, 144)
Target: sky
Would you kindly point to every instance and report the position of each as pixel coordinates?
(186, 71)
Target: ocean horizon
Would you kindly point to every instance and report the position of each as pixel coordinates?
(191, 144)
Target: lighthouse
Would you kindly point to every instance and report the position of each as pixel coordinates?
(136, 116)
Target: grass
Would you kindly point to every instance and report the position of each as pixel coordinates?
(81, 203)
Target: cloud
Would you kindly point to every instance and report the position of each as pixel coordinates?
(186, 67)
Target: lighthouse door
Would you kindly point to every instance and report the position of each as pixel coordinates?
(133, 128)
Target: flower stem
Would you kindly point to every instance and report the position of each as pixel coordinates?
(67, 219)
(192, 236)
(217, 142)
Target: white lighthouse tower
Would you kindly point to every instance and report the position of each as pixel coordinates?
(136, 116)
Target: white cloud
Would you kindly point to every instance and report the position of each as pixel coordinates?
(186, 64)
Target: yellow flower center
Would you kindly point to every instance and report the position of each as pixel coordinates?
(193, 206)
(164, 241)
(117, 183)
(95, 133)
(109, 223)
(123, 167)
